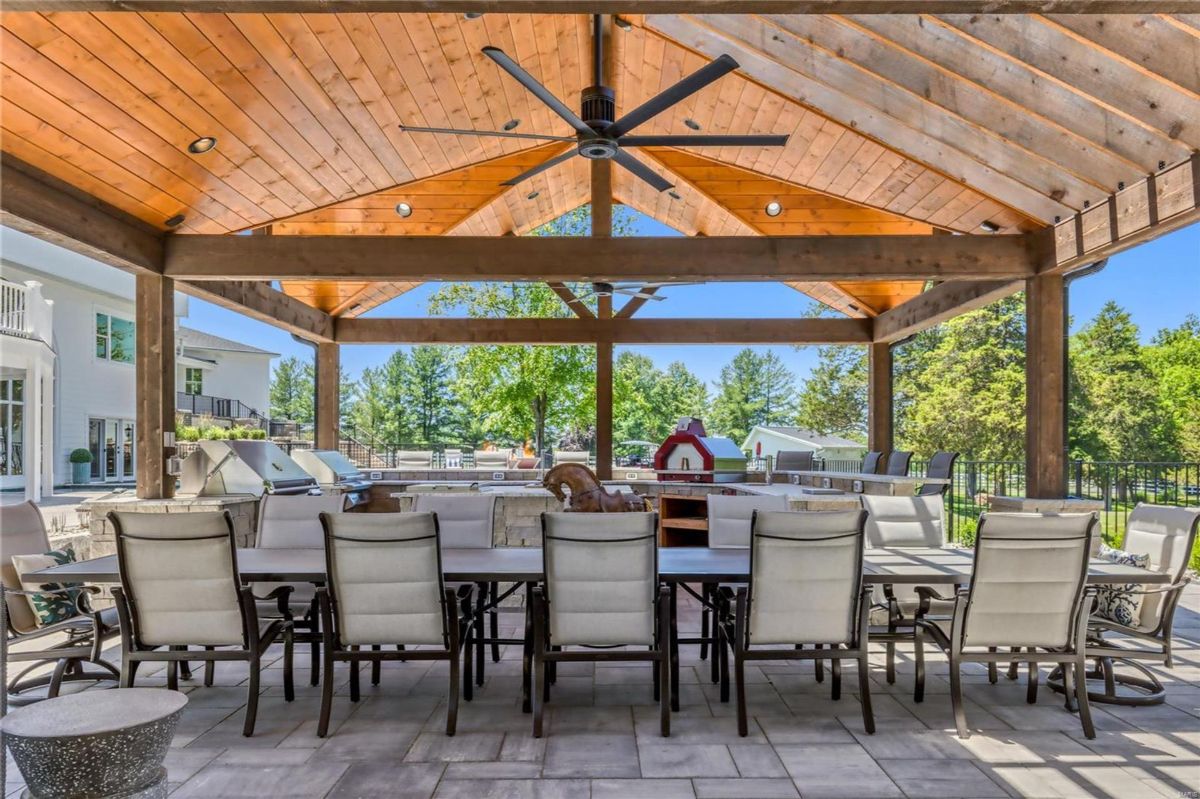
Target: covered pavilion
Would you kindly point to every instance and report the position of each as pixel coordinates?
(940, 155)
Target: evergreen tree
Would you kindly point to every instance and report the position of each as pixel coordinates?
(738, 405)
(833, 401)
(292, 390)
(1116, 411)
(679, 393)
(425, 391)
(776, 390)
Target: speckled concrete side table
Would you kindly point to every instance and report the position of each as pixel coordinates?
(95, 744)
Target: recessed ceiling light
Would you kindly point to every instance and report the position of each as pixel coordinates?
(202, 145)
(356, 308)
(774, 208)
(674, 195)
(404, 209)
(623, 23)
(533, 195)
(691, 123)
(473, 15)
(512, 124)
(175, 221)
(989, 226)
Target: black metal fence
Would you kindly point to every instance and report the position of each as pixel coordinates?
(218, 407)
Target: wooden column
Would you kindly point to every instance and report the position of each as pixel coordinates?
(602, 227)
(328, 387)
(155, 383)
(879, 398)
(1045, 387)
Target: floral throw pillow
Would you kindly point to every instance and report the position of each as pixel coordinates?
(1118, 602)
(49, 608)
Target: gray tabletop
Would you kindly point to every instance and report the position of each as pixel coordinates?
(922, 566)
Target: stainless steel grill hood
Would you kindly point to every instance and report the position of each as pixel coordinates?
(245, 466)
(331, 469)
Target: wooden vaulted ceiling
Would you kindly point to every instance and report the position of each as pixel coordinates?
(915, 124)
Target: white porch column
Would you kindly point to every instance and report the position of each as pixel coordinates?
(32, 454)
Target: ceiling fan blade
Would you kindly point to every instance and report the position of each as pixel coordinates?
(540, 168)
(537, 90)
(641, 295)
(501, 133)
(703, 141)
(641, 170)
(693, 83)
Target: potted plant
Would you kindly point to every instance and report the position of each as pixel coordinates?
(81, 465)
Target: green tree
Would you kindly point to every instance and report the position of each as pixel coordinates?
(379, 408)
(753, 389)
(519, 392)
(635, 413)
(425, 391)
(1174, 359)
(679, 393)
(1116, 409)
(776, 390)
(292, 390)
(961, 386)
(833, 400)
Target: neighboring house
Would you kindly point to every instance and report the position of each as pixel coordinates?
(67, 372)
(764, 441)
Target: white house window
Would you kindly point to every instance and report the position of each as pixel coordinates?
(193, 381)
(114, 338)
(12, 427)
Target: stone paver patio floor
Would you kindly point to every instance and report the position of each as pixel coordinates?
(602, 736)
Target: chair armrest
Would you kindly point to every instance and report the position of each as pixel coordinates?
(282, 595)
(1159, 589)
(89, 589)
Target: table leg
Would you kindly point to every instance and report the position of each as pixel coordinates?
(675, 647)
(527, 653)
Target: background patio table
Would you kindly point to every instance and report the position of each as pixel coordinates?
(924, 566)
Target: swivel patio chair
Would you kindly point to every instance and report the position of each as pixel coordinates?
(897, 464)
(385, 588)
(1167, 535)
(870, 464)
(180, 588)
(1028, 591)
(805, 588)
(902, 522)
(491, 460)
(421, 460)
(75, 640)
(941, 465)
(570, 456)
(467, 521)
(729, 520)
(288, 521)
(601, 590)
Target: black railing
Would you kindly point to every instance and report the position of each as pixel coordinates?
(219, 408)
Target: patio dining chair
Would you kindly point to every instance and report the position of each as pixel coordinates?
(1166, 536)
(414, 459)
(491, 460)
(71, 637)
(793, 461)
(385, 588)
(870, 464)
(805, 589)
(1028, 592)
(897, 464)
(288, 521)
(601, 590)
(729, 520)
(467, 522)
(180, 589)
(941, 465)
(902, 522)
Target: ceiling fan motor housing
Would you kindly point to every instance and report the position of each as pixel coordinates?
(599, 107)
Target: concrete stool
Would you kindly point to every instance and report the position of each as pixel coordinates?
(95, 744)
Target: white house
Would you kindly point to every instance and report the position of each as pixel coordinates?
(764, 441)
(67, 367)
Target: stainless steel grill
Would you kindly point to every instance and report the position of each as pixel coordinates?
(220, 468)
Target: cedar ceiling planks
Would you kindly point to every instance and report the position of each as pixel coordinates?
(943, 120)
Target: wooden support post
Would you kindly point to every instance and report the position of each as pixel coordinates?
(155, 382)
(328, 387)
(1045, 387)
(879, 398)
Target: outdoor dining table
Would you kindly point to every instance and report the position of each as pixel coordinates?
(676, 566)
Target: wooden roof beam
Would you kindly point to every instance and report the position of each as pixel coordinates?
(590, 331)
(521, 258)
(621, 6)
(938, 304)
(573, 303)
(1154, 206)
(35, 203)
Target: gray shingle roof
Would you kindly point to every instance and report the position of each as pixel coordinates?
(198, 339)
(813, 436)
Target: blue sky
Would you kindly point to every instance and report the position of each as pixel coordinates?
(1158, 283)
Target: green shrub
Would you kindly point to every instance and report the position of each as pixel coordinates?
(258, 435)
(187, 433)
(80, 456)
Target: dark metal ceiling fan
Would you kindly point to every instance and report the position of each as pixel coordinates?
(598, 135)
(637, 290)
